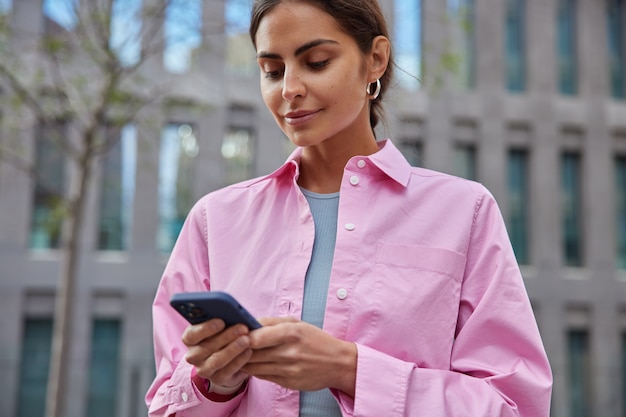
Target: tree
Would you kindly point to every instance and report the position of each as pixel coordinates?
(92, 71)
(89, 69)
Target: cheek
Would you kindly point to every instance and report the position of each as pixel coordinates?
(347, 91)
(271, 97)
(351, 84)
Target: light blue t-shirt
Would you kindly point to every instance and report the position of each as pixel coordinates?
(324, 208)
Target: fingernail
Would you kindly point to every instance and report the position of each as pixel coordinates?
(243, 341)
(213, 325)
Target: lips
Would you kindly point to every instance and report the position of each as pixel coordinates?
(300, 117)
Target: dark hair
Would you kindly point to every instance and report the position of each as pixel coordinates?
(363, 20)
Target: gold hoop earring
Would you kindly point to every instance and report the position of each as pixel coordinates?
(373, 96)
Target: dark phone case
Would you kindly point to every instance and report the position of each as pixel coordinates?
(197, 307)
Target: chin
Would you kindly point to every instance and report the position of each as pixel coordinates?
(302, 139)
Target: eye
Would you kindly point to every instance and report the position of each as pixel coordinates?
(318, 64)
(272, 71)
(273, 75)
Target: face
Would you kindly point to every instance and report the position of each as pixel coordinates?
(313, 75)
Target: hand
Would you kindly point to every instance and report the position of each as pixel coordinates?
(300, 356)
(218, 353)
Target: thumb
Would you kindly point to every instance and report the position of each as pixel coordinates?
(272, 321)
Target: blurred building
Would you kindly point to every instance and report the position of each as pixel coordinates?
(525, 96)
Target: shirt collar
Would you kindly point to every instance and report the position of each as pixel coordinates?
(388, 159)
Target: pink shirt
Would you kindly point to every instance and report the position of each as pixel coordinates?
(424, 281)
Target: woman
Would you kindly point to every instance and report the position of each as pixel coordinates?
(387, 290)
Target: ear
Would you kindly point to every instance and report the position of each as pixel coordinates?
(378, 58)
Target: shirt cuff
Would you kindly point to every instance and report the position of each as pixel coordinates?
(203, 387)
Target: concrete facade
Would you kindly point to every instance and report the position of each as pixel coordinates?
(540, 120)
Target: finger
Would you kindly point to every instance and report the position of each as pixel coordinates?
(223, 364)
(196, 333)
(231, 373)
(272, 321)
(200, 352)
(269, 372)
(287, 331)
(223, 357)
(273, 355)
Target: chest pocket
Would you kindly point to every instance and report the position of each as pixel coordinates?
(437, 260)
(419, 289)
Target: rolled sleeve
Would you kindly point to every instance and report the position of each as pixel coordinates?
(383, 375)
(181, 397)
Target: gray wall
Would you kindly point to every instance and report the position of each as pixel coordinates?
(592, 297)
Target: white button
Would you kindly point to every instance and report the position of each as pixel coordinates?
(361, 163)
(342, 293)
(185, 397)
(350, 227)
(354, 180)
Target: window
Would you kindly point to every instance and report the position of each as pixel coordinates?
(183, 36)
(518, 223)
(61, 12)
(624, 373)
(240, 54)
(571, 205)
(616, 17)
(566, 38)
(47, 211)
(34, 367)
(579, 373)
(620, 211)
(465, 161)
(5, 7)
(125, 37)
(463, 13)
(179, 148)
(118, 189)
(238, 153)
(104, 368)
(515, 44)
(5, 10)
(408, 42)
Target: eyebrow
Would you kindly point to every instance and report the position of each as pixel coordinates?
(302, 49)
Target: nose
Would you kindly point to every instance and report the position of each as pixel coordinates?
(293, 86)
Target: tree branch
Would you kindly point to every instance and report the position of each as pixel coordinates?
(18, 162)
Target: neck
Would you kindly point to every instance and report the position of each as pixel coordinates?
(321, 167)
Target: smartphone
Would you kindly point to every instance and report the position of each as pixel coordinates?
(197, 307)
